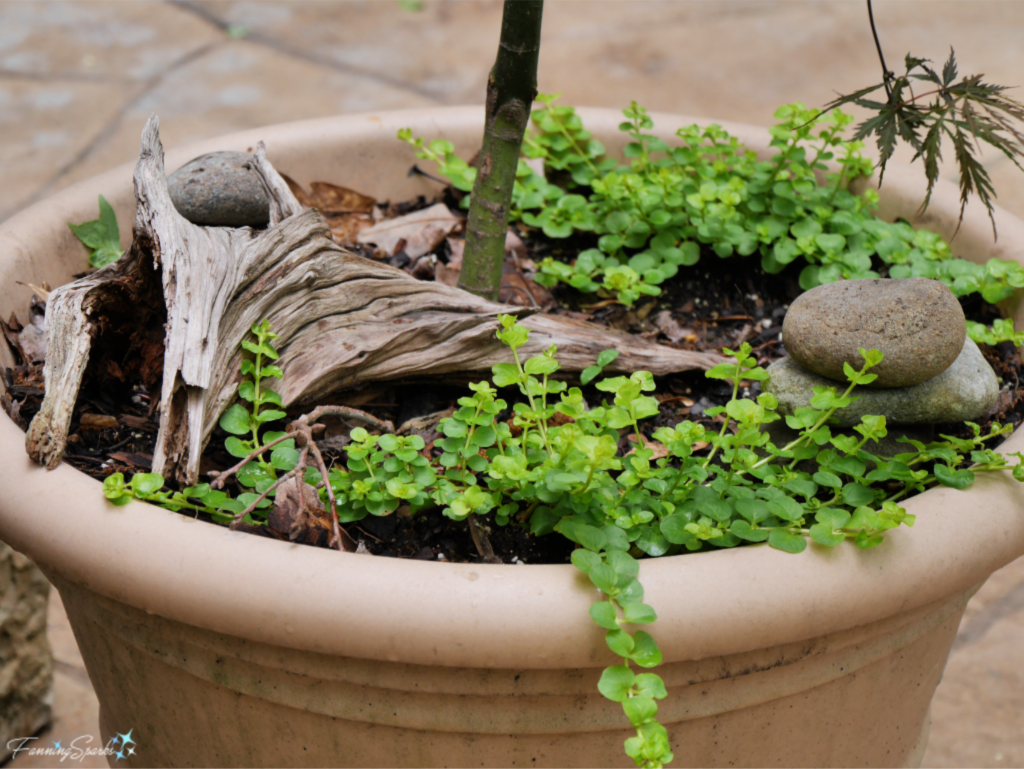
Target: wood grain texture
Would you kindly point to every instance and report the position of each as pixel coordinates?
(343, 320)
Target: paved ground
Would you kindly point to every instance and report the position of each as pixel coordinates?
(78, 79)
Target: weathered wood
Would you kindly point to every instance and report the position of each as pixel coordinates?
(343, 320)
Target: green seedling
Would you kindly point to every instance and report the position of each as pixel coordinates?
(100, 236)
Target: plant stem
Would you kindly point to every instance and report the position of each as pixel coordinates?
(511, 89)
(886, 74)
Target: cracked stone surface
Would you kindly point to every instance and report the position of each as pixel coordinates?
(26, 663)
(78, 80)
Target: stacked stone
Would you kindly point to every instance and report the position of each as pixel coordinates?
(931, 372)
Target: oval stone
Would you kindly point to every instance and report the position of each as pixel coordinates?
(917, 323)
(964, 391)
(222, 189)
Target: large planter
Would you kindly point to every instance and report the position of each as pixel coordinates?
(220, 648)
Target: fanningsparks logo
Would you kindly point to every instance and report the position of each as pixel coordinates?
(120, 746)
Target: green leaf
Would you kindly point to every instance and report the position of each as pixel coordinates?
(236, 420)
(824, 535)
(624, 564)
(832, 517)
(639, 613)
(754, 510)
(620, 642)
(785, 508)
(651, 685)
(825, 478)
(856, 495)
(270, 415)
(589, 373)
(283, 458)
(453, 428)
(959, 479)
(539, 365)
(631, 592)
(674, 530)
(616, 682)
(147, 483)
(236, 447)
(604, 614)
(745, 531)
(781, 539)
(603, 576)
(504, 374)
(101, 236)
(640, 709)
(590, 537)
(584, 560)
(645, 653)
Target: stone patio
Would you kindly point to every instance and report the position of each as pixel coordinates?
(78, 80)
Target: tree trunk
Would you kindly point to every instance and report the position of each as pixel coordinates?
(511, 89)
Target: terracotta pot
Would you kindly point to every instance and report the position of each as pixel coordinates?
(220, 648)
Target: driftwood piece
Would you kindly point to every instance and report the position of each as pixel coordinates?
(343, 320)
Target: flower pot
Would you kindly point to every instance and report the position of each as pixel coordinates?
(220, 648)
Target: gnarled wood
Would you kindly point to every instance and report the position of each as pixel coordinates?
(343, 320)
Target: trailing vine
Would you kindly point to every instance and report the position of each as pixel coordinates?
(549, 463)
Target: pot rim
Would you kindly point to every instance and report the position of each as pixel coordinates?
(482, 615)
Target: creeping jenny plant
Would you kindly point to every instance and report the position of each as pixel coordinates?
(549, 463)
(710, 197)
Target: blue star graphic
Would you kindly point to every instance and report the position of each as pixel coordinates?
(119, 755)
(127, 738)
(114, 740)
(57, 745)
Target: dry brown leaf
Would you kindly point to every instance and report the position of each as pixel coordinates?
(144, 461)
(298, 514)
(670, 328)
(32, 338)
(424, 267)
(137, 423)
(345, 228)
(448, 273)
(98, 421)
(332, 199)
(660, 449)
(300, 194)
(422, 231)
(519, 290)
(674, 399)
(43, 291)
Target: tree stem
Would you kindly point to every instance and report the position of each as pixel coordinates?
(886, 74)
(511, 89)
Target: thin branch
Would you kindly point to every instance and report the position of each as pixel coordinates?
(220, 477)
(300, 466)
(384, 425)
(886, 73)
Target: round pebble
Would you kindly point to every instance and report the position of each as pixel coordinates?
(222, 189)
(917, 323)
(965, 391)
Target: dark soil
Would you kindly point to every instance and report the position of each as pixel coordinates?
(717, 303)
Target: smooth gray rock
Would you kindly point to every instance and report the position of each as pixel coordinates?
(917, 323)
(964, 391)
(221, 189)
